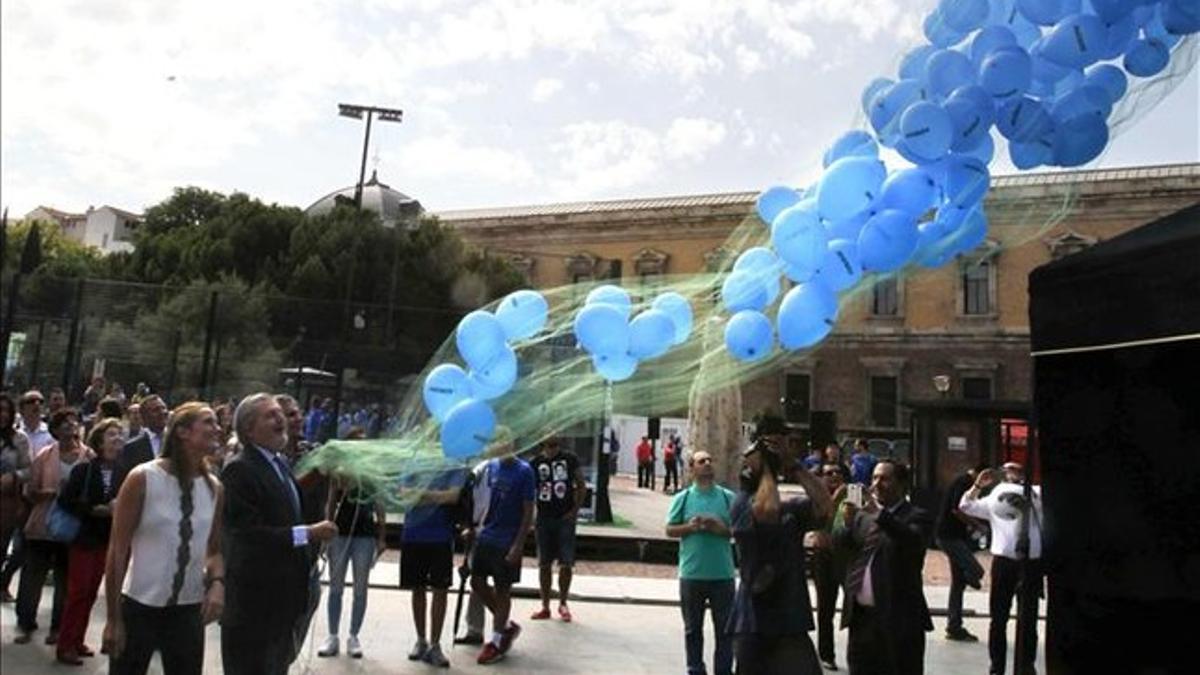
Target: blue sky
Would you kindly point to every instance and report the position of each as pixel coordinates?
(506, 101)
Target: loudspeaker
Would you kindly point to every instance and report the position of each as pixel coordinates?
(653, 427)
(822, 426)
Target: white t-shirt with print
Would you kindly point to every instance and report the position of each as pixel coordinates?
(1002, 509)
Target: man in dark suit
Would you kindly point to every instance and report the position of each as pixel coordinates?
(885, 607)
(266, 540)
(146, 446)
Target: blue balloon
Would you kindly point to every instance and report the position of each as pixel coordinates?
(984, 152)
(651, 334)
(927, 130)
(999, 12)
(887, 240)
(762, 264)
(445, 387)
(967, 181)
(972, 113)
(849, 186)
(749, 336)
(1110, 78)
(806, 315)
(1023, 119)
(963, 15)
(914, 191)
(602, 329)
(851, 144)
(872, 90)
(615, 367)
(1112, 10)
(744, 290)
(887, 106)
(799, 238)
(1118, 35)
(1031, 155)
(1077, 41)
(679, 310)
(988, 39)
(842, 267)
(1027, 33)
(939, 33)
(1155, 28)
(522, 314)
(1044, 70)
(1047, 12)
(1147, 58)
(912, 66)
(846, 228)
(1181, 17)
(948, 70)
(970, 234)
(775, 200)
(932, 248)
(467, 429)
(1072, 81)
(495, 378)
(1079, 140)
(1006, 72)
(613, 296)
(798, 274)
(1086, 100)
(479, 337)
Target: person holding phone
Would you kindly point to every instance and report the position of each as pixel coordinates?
(699, 518)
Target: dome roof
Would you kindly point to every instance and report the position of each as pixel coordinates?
(392, 206)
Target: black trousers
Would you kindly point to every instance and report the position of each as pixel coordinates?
(671, 476)
(177, 633)
(776, 655)
(41, 557)
(245, 653)
(9, 564)
(827, 577)
(1007, 584)
(876, 649)
(646, 475)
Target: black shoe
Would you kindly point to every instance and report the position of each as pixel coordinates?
(960, 635)
(469, 639)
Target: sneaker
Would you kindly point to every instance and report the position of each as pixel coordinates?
(418, 650)
(540, 615)
(329, 647)
(469, 639)
(435, 657)
(509, 636)
(960, 635)
(23, 637)
(353, 648)
(490, 654)
(564, 613)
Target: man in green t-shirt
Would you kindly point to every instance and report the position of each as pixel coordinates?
(699, 518)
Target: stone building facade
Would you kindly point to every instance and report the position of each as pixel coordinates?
(965, 324)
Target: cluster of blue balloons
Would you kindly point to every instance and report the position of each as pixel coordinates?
(616, 343)
(458, 398)
(1044, 73)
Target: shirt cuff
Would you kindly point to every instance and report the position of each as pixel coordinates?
(300, 536)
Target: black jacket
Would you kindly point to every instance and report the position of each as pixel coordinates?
(135, 451)
(83, 490)
(266, 576)
(896, 580)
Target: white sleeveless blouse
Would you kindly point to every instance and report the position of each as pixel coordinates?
(167, 555)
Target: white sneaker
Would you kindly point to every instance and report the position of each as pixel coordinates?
(435, 657)
(353, 648)
(329, 647)
(418, 651)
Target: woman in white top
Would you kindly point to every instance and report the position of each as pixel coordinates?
(165, 572)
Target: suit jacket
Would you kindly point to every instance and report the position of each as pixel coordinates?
(135, 451)
(266, 576)
(896, 580)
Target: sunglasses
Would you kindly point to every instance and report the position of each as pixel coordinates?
(32, 401)
(704, 460)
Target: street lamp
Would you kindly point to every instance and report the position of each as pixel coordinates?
(356, 112)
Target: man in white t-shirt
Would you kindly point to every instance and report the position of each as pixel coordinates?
(1005, 508)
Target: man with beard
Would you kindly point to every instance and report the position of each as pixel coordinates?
(1005, 508)
(771, 610)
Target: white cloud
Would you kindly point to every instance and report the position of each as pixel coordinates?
(748, 60)
(691, 138)
(545, 89)
(448, 156)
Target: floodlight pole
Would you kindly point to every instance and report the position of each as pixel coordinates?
(356, 112)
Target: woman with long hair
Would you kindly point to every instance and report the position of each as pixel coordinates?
(165, 575)
(47, 474)
(14, 471)
(89, 494)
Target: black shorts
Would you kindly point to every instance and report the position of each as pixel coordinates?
(555, 541)
(426, 565)
(489, 561)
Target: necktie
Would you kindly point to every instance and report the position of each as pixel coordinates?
(285, 473)
(858, 571)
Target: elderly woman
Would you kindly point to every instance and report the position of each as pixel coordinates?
(89, 494)
(47, 475)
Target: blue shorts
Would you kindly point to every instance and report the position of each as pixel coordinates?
(555, 541)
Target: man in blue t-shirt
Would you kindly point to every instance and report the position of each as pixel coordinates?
(427, 555)
(500, 544)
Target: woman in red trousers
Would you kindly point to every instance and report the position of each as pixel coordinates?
(89, 494)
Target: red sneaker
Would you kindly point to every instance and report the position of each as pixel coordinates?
(509, 636)
(540, 615)
(490, 654)
(564, 613)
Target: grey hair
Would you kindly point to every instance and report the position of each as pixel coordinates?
(286, 399)
(247, 413)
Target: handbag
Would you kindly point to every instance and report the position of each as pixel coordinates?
(62, 525)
